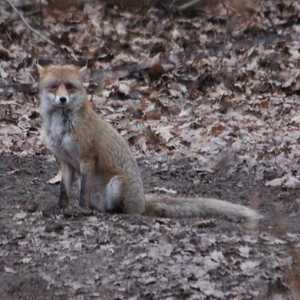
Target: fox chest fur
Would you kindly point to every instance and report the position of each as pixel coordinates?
(61, 138)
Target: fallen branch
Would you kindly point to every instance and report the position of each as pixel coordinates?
(28, 26)
(6, 90)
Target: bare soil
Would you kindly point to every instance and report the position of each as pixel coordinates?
(88, 255)
(217, 77)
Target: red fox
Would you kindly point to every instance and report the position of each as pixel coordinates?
(89, 147)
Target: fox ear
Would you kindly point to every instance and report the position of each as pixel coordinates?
(40, 69)
(82, 64)
(83, 70)
(41, 63)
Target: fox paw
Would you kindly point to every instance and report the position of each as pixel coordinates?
(77, 212)
(51, 210)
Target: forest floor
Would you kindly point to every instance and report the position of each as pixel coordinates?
(207, 97)
(97, 256)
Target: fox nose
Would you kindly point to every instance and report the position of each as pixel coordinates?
(62, 99)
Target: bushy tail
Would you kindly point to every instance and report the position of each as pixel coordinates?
(169, 207)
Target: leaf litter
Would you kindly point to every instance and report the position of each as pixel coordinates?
(218, 85)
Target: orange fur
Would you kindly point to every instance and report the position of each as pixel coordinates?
(91, 148)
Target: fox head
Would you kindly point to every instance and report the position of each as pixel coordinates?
(61, 86)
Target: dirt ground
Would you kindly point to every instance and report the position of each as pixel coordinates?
(88, 255)
(195, 82)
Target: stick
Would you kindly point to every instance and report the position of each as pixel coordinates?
(16, 18)
(30, 27)
(193, 3)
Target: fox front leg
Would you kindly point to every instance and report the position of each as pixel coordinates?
(67, 180)
(86, 183)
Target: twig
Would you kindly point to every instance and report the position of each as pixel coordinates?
(192, 3)
(30, 27)
(14, 19)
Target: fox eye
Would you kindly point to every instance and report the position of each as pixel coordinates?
(69, 86)
(53, 86)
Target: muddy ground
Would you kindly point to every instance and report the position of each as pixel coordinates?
(89, 255)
